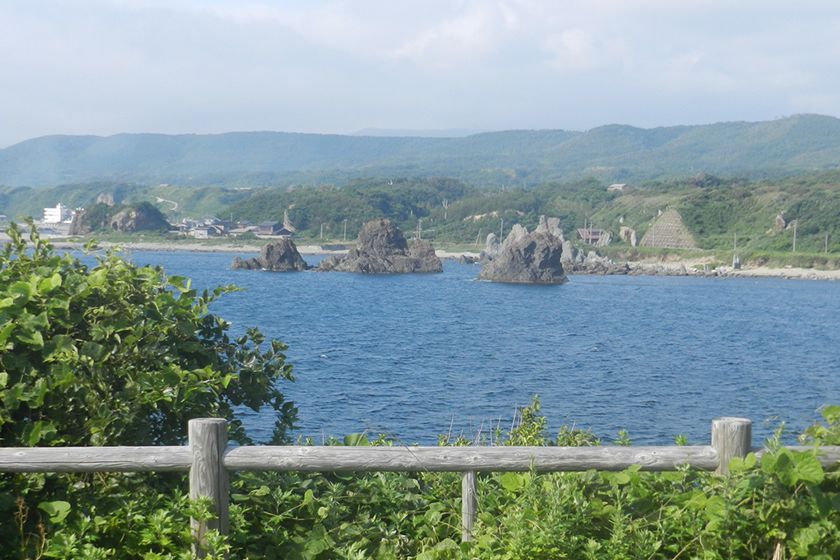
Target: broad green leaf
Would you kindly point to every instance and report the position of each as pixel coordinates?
(738, 464)
(831, 414)
(359, 440)
(22, 291)
(807, 468)
(621, 478)
(308, 497)
(714, 508)
(35, 432)
(30, 337)
(512, 481)
(57, 511)
(50, 283)
(5, 331)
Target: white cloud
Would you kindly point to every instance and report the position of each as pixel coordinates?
(571, 49)
(105, 66)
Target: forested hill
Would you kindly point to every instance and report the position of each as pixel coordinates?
(614, 152)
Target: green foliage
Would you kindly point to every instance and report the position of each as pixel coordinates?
(118, 354)
(112, 354)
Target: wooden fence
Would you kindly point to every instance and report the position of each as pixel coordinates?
(208, 460)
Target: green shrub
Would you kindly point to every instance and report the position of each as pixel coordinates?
(113, 354)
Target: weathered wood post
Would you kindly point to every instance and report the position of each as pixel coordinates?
(731, 437)
(468, 505)
(208, 477)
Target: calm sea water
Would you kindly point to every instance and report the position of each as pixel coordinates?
(418, 355)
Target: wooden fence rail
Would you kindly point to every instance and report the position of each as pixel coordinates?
(208, 460)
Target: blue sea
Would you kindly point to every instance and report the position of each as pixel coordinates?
(414, 356)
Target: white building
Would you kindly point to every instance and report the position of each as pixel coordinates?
(57, 215)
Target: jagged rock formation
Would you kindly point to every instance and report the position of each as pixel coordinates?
(278, 256)
(669, 231)
(142, 217)
(569, 253)
(779, 224)
(527, 258)
(381, 248)
(593, 263)
(81, 224)
(139, 217)
(105, 198)
(550, 226)
(492, 248)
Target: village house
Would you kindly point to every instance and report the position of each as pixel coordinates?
(206, 232)
(274, 229)
(592, 236)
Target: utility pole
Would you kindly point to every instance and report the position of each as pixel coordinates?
(345, 229)
(322, 231)
(445, 208)
(420, 228)
(795, 223)
(826, 243)
(502, 230)
(477, 237)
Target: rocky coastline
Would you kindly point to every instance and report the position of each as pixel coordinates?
(692, 267)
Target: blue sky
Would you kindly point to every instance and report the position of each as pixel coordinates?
(180, 66)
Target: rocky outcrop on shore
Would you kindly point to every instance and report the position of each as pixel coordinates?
(278, 256)
(143, 216)
(140, 217)
(593, 263)
(381, 248)
(526, 258)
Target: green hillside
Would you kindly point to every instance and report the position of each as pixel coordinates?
(714, 210)
(609, 153)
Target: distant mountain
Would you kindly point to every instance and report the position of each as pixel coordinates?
(613, 152)
(418, 133)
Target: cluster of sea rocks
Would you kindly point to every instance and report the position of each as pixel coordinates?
(380, 248)
(542, 256)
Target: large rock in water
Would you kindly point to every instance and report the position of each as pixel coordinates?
(381, 248)
(527, 258)
(279, 256)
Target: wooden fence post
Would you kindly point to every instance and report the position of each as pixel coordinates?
(468, 505)
(731, 437)
(208, 477)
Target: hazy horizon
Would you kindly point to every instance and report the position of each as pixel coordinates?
(328, 66)
(397, 133)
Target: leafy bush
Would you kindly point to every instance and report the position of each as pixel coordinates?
(113, 354)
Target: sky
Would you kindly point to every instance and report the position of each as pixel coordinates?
(188, 66)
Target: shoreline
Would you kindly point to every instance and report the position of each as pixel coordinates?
(643, 268)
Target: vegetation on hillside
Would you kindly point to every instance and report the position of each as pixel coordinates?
(520, 157)
(715, 210)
